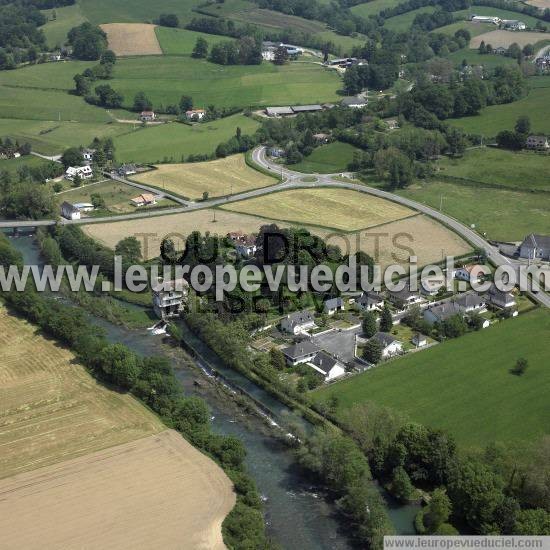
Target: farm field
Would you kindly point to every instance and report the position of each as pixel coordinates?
(66, 18)
(140, 11)
(495, 118)
(132, 39)
(403, 22)
(519, 170)
(117, 196)
(503, 215)
(52, 138)
(182, 41)
(327, 159)
(374, 7)
(164, 80)
(157, 492)
(464, 386)
(220, 177)
(473, 57)
(541, 4)
(12, 165)
(506, 38)
(172, 141)
(338, 209)
(473, 28)
(393, 243)
(52, 409)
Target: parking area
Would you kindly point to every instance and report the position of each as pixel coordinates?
(339, 343)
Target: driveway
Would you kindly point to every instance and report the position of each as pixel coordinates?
(340, 344)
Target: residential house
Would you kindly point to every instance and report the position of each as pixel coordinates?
(85, 172)
(276, 152)
(419, 340)
(499, 298)
(70, 211)
(392, 123)
(145, 199)
(500, 50)
(403, 299)
(84, 206)
(390, 345)
(247, 248)
(170, 297)
(333, 305)
(321, 138)
(441, 312)
(354, 102)
(430, 286)
(298, 322)
(535, 247)
(326, 365)
(147, 116)
(370, 301)
(537, 143)
(470, 273)
(88, 155)
(127, 170)
(471, 302)
(513, 25)
(195, 114)
(302, 352)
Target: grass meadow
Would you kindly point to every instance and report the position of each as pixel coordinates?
(169, 142)
(327, 159)
(12, 165)
(403, 22)
(66, 18)
(182, 42)
(374, 7)
(503, 215)
(473, 57)
(464, 386)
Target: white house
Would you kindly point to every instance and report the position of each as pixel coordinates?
(147, 116)
(469, 273)
(390, 346)
(88, 155)
(127, 170)
(195, 114)
(84, 206)
(85, 172)
(70, 211)
(303, 352)
(145, 199)
(246, 248)
(333, 305)
(326, 365)
(514, 25)
(370, 301)
(419, 340)
(170, 297)
(430, 286)
(298, 322)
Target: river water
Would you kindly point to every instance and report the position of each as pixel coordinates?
(297, 515)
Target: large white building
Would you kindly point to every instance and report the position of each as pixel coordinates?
(85, 172)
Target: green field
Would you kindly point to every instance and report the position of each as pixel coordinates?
(473, 28)
(138, 11)
(503, 117)
(473, 57)
(522, 170)
(153, 144)
(374, 7)
(464, 385)
(66, 18)
(503, 215)
(503, 14)
(327, 159)
(403, 22)
(165, 79)
(182, 42)
(12, 165)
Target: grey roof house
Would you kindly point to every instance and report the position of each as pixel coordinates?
(298, 322)
(333, 305)
(300, 353)
(535, 247)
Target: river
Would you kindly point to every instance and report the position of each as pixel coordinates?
(297, 515)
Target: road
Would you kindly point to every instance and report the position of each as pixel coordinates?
(293, 180)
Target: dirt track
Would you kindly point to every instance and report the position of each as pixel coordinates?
(132, 39)
(157, 492)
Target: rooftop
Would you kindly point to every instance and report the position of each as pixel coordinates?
(302, 349)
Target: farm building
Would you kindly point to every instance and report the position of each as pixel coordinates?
(279, 111)
(486, 19)
(84, 172)
(84, 206)
(513, 25)
(354, 102)
(144, 199)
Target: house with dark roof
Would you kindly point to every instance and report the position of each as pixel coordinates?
(390, 345)
(535, 247)
(538, 143)
(333, 305)
(298, 322)
(370, 301)
(403, 299)
(471, 302)
(441, 312)
(302, 352)
(326, 365)
(499, 298)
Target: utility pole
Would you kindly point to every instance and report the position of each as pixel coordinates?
(441, 203)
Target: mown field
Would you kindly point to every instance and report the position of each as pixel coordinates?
(132, 39)
(495, 118)
(473, 57)
(164, 80)
(161, 490)
(519, 170)
(403, 22)
(504, 38)
(327, 159)
(51, 409)
(12, 165)
(226, 176)
(464, 386)
(374, 7)
(337, 209)
(182, 42)
(169, 142)
(473, 28)
(501, 214)
(65, 19)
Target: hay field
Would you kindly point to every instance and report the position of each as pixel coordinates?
(51, 409)
(132, 39)
(338, 209)
(158, 492)
(541, 4)
(226, 176)
(506, 38)
(426, 238)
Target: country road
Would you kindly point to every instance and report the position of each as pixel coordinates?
(293, 180)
